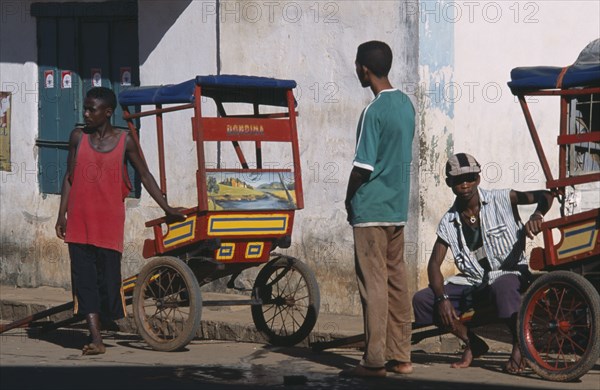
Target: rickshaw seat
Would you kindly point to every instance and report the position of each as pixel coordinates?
(222, 88)
(547, 77)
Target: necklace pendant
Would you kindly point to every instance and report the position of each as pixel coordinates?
(472, 219)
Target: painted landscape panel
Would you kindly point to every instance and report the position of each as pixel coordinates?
(251, 191)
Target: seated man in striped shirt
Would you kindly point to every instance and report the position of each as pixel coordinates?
(487, 239)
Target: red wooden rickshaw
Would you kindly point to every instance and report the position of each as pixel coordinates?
(559, 320)
(241, 213)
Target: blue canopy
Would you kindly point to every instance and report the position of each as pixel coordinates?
(546, 77)
(222, 88)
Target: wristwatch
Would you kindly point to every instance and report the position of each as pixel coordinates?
(441, 298)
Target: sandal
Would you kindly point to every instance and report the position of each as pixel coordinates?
(513, 367)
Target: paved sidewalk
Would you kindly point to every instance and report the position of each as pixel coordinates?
(54, 355)
(230, 323)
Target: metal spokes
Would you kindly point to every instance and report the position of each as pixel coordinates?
(287, 307)
(166, 303)
(559, 326)
(289, 301)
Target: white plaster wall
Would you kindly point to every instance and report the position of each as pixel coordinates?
(315, 44)
(525, 34)
(549, 33)
(436, 125)
(186, 48)
(521, 34)
(30, 253)
(489, 39)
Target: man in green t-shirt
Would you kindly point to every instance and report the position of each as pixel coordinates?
(377, 206)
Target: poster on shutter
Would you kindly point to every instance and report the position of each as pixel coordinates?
(96, 77)
(66, 81)
(48, 79)
(5, 131)
(126, 76)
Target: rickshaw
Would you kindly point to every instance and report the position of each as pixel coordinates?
(559, 320)
(242, 212)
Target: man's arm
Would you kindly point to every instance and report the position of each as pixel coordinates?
(358, 177)
(544, 201)
(134, 155)
(436, 282)
(61, 221)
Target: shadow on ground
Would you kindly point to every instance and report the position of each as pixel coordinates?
(250, 373)
(194, 377)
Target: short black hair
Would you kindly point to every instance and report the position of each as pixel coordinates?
(104, 94)
(376, 56)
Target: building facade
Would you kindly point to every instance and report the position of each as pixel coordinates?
(452, 57)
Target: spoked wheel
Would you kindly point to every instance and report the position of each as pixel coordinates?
(290, 296)
(167, 304)
(559, 326)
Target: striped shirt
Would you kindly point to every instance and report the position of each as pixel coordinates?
(503, 240)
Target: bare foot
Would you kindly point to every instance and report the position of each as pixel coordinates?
(465, 361)
(400, 367)
(93, 349)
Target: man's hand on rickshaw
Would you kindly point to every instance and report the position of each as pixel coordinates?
(175, 214)
(534, 225)
(447, 313)
(543, 199)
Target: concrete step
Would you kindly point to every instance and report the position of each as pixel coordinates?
(231, 323)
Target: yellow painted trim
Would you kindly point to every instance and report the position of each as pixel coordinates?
(578, 239)
(253, 246)
(226, 251)
(247, 224)
(180, 232)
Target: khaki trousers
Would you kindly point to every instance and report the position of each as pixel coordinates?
(381, 274)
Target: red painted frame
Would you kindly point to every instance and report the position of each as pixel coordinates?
(275, 127)
(547, 258)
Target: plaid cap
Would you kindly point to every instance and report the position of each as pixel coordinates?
(462, 163)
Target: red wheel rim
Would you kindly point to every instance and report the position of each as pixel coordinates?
(557, 326)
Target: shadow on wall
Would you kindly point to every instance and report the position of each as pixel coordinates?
(163, 14)
(158, 16)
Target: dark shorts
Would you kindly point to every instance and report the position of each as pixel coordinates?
(96, 281)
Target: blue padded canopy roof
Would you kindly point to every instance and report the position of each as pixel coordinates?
(164, 94)
(222, 88)
(546, 77)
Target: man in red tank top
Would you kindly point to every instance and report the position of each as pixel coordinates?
(91, 217)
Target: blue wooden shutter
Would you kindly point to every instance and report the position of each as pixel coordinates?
(79, 37)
